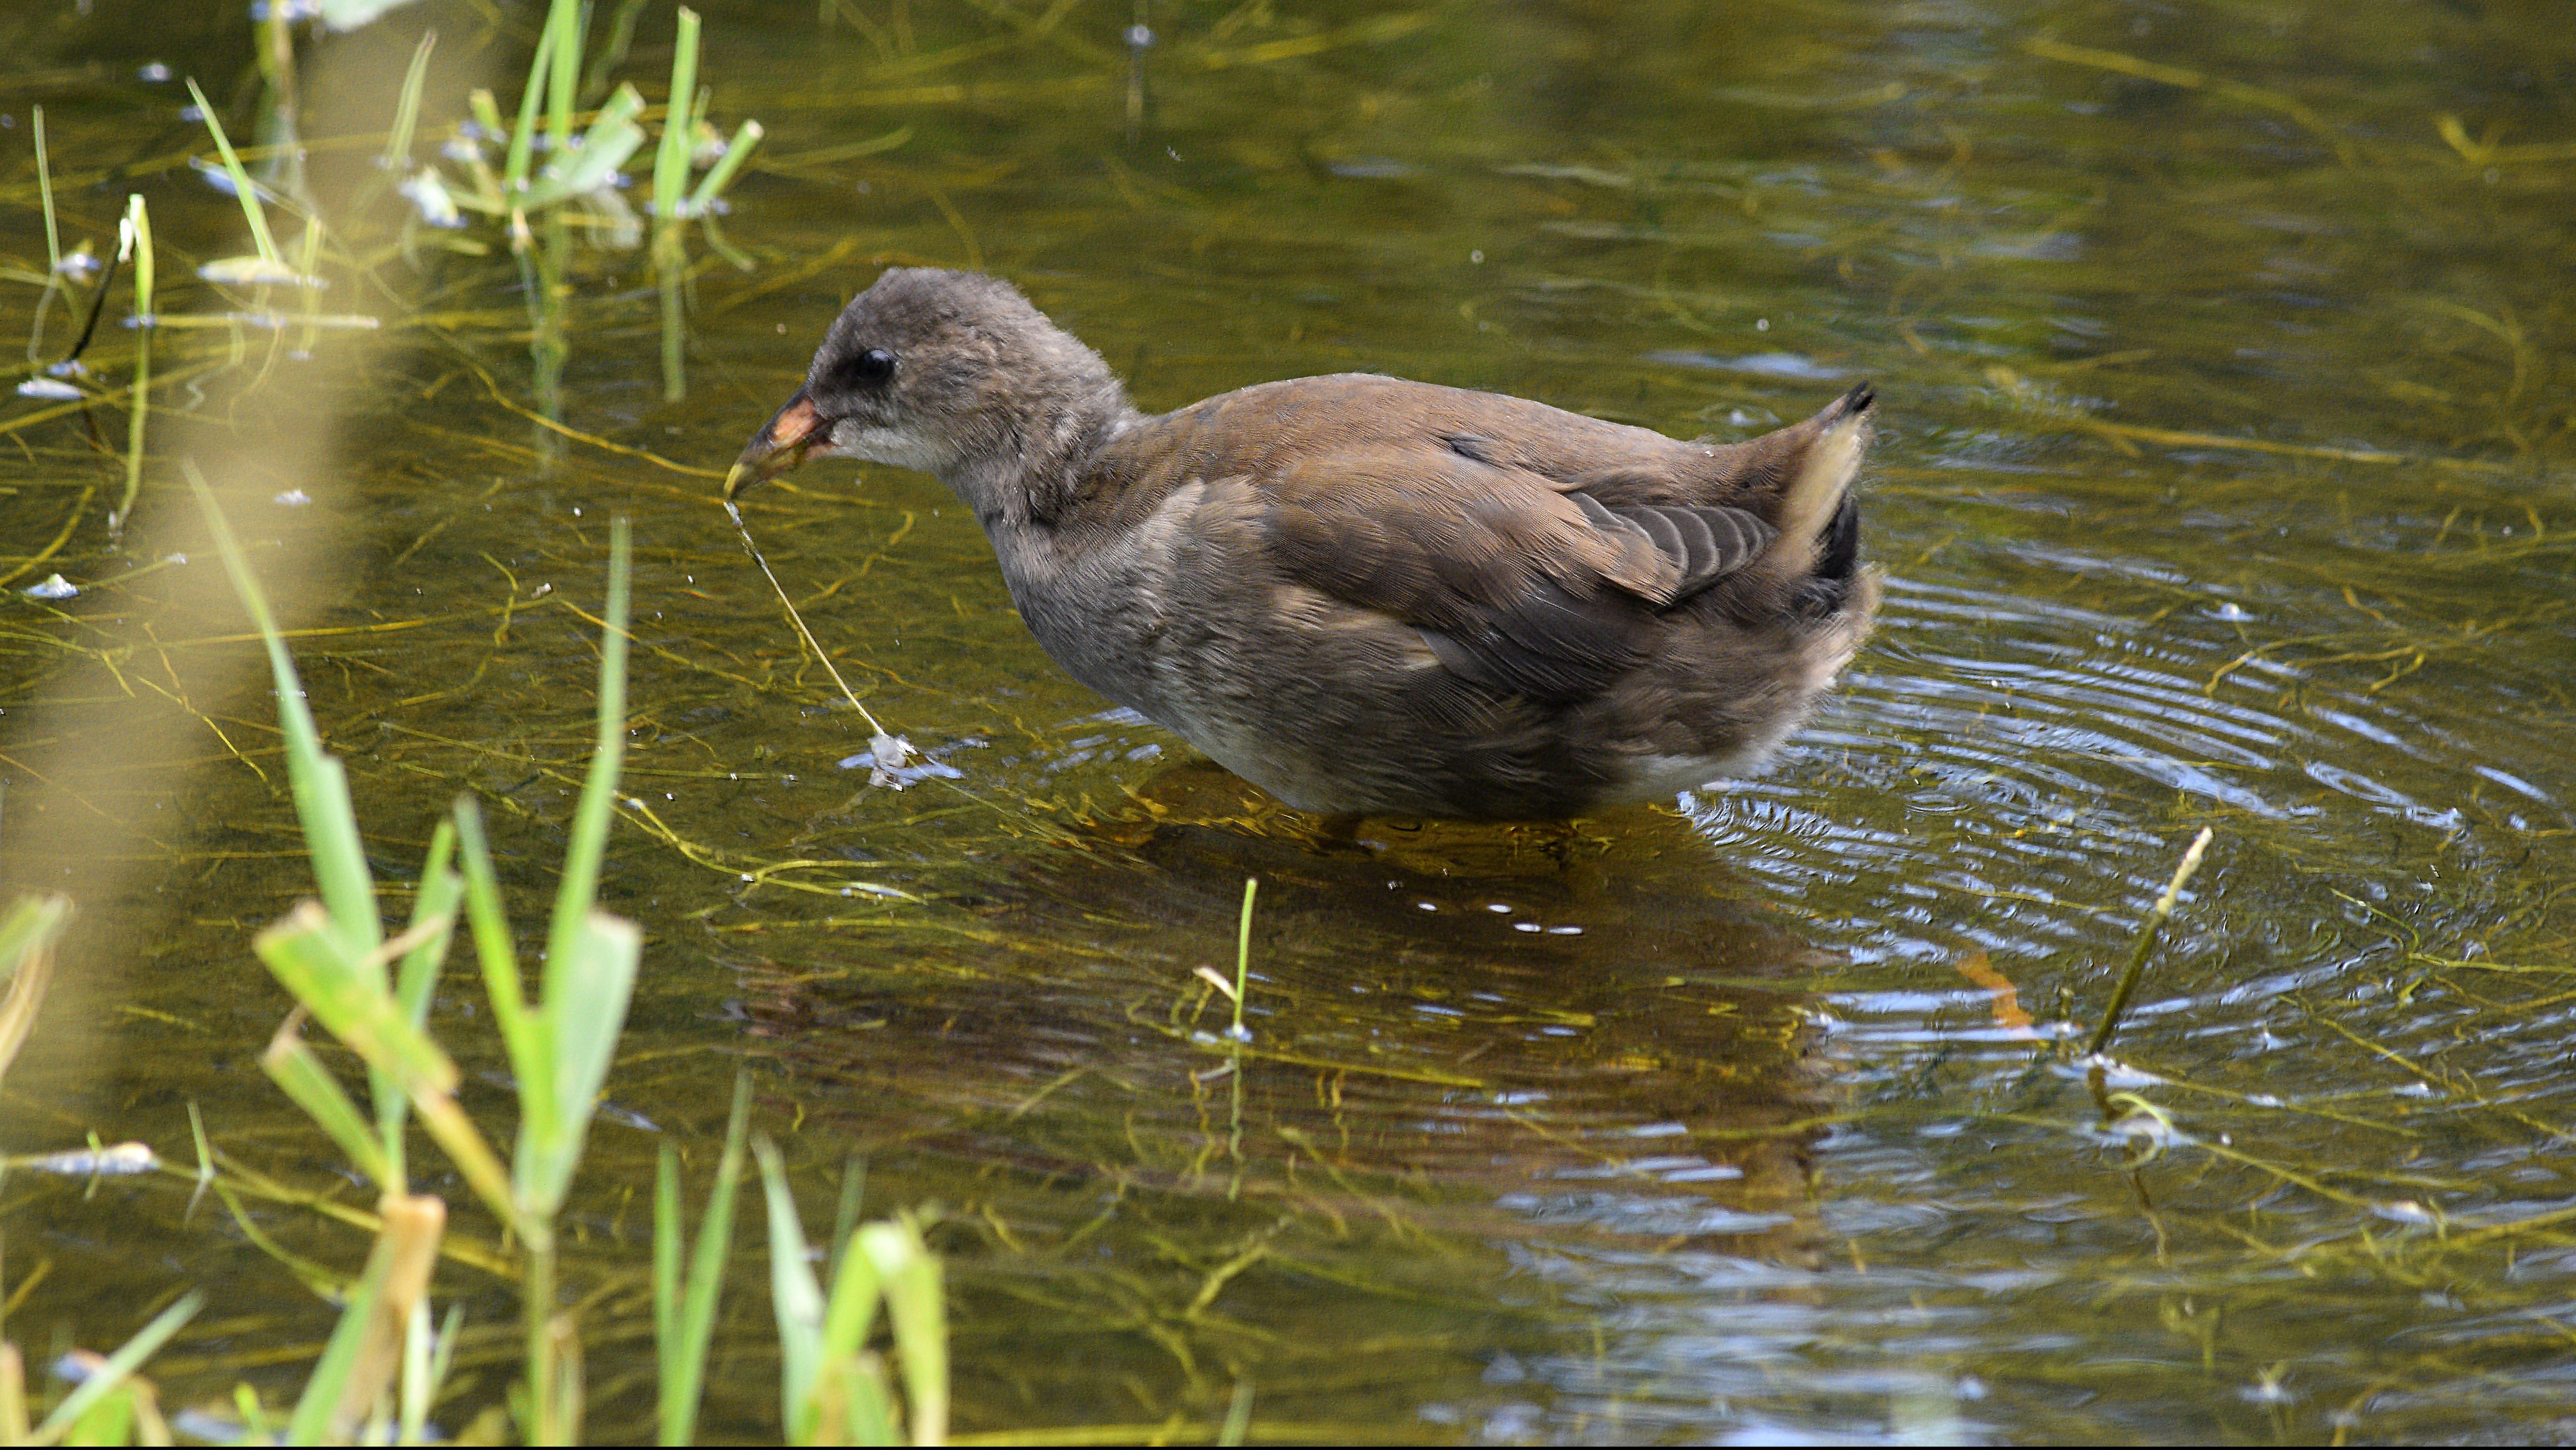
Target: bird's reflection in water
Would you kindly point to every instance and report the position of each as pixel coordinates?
(1585, 1027)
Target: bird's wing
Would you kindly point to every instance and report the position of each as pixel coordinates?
(1513, 582)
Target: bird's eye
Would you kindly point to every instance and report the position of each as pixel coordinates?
(872, 367)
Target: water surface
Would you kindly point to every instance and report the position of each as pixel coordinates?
(2224, 482)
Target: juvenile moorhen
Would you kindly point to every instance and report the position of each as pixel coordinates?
(1368, 596)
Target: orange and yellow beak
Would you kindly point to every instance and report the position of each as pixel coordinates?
(781, 444)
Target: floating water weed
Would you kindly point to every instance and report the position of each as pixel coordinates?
(887, 750)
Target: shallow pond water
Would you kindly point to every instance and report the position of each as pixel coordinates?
(2225, 482)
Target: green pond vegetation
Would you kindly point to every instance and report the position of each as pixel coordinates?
(2138, 1009)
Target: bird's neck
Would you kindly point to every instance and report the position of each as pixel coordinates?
(1029, 471)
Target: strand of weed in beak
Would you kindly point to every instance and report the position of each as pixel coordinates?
(734, 512)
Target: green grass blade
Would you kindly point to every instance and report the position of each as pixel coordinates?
(205, 1150)
(421, 1388)
(1238, 1416)
(109, 1422)
(568, 19)
(522, 1035)
(523, 136)
(120, 1366)
(916, 1303)
(746, 139)
(580, 886)
(611, 139)
(419, 1352)
(320, 787)
(45, 191)
(242, 188)
(440, 889)
(852, 1309)
(856, 1406)
(138, 233)
(310, 1424)
(353, 1006)
(433, 918)
(679, 124)
(397, 157)
(845, 1220)
(591, 957)
(1243, 958)
(796, 1297)
(669, 1247)
(588, 988)
(486, 112)
(684, 1356)
(2146, 943)
(292, 1066)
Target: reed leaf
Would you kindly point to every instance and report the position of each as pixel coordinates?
(853, 1405)
(612, 138)
(521, 1033)
(679, 124)
(523, 136)
(591, 957)
(587, 990)
(796, 1298)
(320, 787)
(568, 19)
(589, 843)
(746, 139)
(364, 1353)
(242, 188)
(137, 236)
(301, 1076)
(433, 922)
(917, 1306)
(351, 1002)
(397, 157)
(684, 1317)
